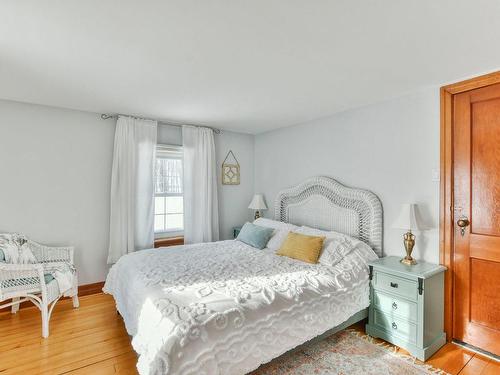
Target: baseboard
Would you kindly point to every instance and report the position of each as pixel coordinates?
(88, 289)
(83, 290)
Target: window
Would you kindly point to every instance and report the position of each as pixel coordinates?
(169, 204)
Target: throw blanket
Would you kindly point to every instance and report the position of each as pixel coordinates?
(16, 251)
(64, 273)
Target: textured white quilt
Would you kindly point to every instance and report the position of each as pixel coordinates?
(226, 307)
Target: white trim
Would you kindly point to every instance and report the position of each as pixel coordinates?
(169, 194)
(168, 234)
(164, 151)
(168, 151)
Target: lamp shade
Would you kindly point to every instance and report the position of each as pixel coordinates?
(258, 203)
(408, 218)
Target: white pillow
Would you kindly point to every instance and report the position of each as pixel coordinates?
(15, 254)
(336, 245)
(26, 255)
(275, 224)
(281, 230)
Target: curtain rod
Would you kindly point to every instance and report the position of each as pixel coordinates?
(105, 116)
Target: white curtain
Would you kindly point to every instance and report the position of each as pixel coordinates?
(132, 187)
(201, 213)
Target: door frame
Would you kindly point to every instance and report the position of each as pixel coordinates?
(446, 214)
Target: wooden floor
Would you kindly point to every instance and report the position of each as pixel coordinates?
(93, 340)
(453, 359)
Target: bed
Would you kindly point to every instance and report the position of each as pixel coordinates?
(226, 307)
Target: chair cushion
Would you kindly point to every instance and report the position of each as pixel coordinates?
(14, 254)
(48, 278)
(8, 283)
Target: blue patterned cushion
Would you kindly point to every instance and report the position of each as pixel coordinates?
(255, 235)
(48, 278)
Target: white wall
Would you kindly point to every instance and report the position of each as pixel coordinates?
(390, 148)
(56, 165)
(55, 168)
(169, 135)
(234, 199)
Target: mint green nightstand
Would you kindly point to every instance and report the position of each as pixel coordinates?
(236, 231)
(407, 305)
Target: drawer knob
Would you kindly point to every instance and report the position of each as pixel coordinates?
(394, 305)
(394, 325)
(394, 285)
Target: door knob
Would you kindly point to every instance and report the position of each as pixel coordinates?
(463, 222)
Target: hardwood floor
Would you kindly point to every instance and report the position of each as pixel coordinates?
(93, 340)
(88, 340)
(454, 359)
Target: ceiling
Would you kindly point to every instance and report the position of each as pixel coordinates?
(248, 66)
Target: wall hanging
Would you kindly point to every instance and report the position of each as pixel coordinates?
(230, 170)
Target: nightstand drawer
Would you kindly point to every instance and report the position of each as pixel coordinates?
(395, 326)
(396, 285)
(396, 306)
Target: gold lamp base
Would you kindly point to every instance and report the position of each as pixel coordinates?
(408, 261)
(409, 241)
(257, 214)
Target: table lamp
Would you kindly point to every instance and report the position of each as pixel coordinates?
(408, 220)
(258, 204)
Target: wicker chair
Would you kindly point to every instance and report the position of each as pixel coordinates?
(27, 282)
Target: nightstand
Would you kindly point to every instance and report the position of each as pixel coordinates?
(407, 305)
(236, 231)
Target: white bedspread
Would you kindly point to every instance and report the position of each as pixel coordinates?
(226, 307)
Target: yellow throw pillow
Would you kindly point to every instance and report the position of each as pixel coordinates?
(302, 247)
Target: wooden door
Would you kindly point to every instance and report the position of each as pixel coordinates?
(477, 199)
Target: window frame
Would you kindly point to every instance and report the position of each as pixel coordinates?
(164, 151)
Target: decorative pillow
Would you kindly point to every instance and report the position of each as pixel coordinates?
(336, 245)
(13, 253)
(302, 247)
(26, 255)
(281, 230)
(255, 235)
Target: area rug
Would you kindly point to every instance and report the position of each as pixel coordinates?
(345, 353)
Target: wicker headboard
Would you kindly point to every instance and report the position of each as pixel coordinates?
(323, 203)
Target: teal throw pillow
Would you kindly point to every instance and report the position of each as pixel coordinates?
(255, 235)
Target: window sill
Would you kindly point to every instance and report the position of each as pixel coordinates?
(169, 241)
(169, 234)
